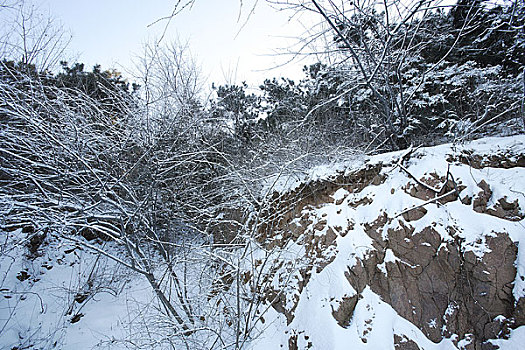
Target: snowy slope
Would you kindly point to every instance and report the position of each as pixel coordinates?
(339, 226)
(359, 256)
(64, 297)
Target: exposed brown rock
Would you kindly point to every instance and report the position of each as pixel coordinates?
(344, 312)
(467, 200)
(225, 230)
(292, 342)
(401, 342)
(375, 228)
(505, 160)
(419, 192)
(320, 225)
(426, 281)
(506, 210)
(435, 282)
(432, 186)
(502, 208)
(433, 180)
(362, 201)
(482, 198)
(414, 214)
(450, 187)
(286, 207)
(340, 201)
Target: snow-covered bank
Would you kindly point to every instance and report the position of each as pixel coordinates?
(421, 247)
(62, 296)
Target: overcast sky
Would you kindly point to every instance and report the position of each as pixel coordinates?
(112, 32)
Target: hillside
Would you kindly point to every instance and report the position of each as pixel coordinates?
(420, 249)
(149, 207)
(417, 249)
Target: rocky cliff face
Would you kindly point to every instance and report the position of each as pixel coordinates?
(419, 249)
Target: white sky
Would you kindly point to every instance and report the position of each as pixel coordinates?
(112, 32)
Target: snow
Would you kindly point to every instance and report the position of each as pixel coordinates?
(389, 258)
(35, 311)
(374, 322)
(372, 327)
(340, 194)
(515, 341)
(284, 181)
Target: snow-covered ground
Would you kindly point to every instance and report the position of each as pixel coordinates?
(67, 297)
(64, 296)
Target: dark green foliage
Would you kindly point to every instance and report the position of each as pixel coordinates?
(18, 72)
(359, 28)
(108, 86)
(446, 74)
(471, 32)
(441, 75)
(282, 101)
(465, 78)
(60, 151)
(97, 84)
(236, 110)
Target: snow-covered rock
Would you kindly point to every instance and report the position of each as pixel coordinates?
(420, 249)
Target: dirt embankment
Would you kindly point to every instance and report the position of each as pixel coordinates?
(424, 271)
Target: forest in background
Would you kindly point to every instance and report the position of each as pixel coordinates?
(160, 170)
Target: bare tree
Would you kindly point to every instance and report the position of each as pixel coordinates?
(372, 45)
(180, 208)
(30, 36)
(159, 194)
